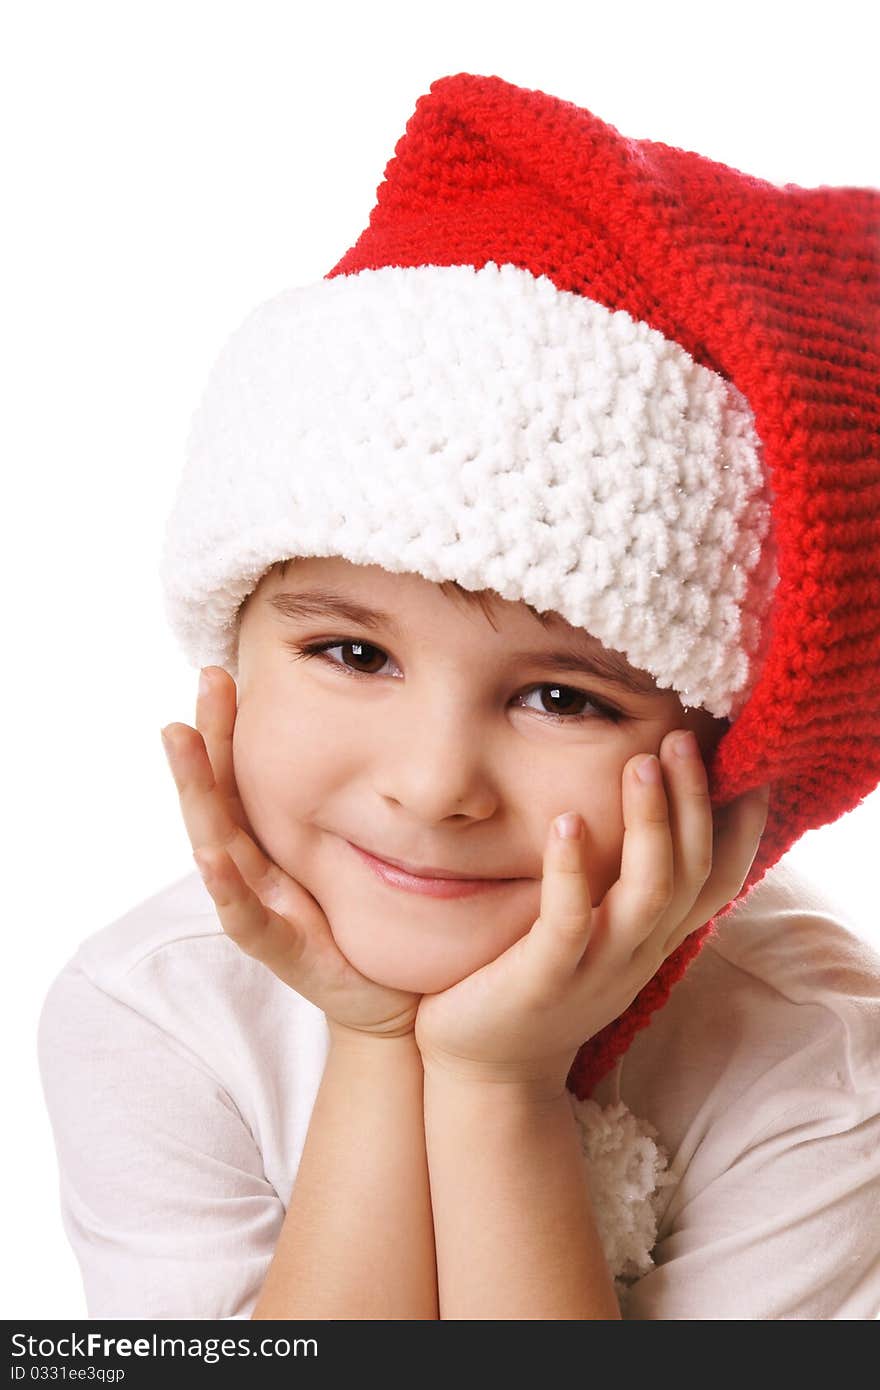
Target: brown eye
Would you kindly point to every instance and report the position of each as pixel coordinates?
(564, 696)
(568, 705)
(367, 659)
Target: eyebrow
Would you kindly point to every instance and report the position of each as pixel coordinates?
(325, 603)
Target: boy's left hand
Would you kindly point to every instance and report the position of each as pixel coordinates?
(522, 1017)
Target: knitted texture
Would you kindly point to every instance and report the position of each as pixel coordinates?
(777, 289)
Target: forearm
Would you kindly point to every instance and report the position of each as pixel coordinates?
(514, 1227)
(358, 1240)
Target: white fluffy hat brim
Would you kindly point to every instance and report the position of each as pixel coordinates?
(485, 427)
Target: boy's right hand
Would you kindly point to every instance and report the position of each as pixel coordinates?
(261, 908)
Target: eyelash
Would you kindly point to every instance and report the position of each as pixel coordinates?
(306, 650)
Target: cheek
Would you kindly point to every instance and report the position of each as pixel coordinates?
(604, 853)
(597, 794)
(284, 768)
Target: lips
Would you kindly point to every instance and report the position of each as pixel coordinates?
(435, 886)
(425, 870)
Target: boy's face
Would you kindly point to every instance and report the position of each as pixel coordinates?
(433, 744)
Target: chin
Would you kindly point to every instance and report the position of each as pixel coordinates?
(414, 976)
(417, 981)
(420, 962)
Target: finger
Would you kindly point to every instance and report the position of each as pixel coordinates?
(559, 936)
(690, 818)
(737, 835)
(692, 832)
(254, 927)
(295, 941)
(206, 813)
(216, 708)
(634, 904)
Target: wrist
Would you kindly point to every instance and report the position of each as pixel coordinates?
(359, 1042)
(540, 1081)
(513, 1114)
(499, 1086)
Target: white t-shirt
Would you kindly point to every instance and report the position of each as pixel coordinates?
(180, 1076)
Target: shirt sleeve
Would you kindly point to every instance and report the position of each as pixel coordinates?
(162, 1190)
(789, 1229)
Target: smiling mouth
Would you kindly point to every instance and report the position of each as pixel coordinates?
(428, 871)
(443, 884)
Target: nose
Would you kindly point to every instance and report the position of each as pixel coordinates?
(435, 765)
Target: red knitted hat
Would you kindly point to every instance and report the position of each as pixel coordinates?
(607, 376)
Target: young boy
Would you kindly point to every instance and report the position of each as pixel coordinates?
(552, 429)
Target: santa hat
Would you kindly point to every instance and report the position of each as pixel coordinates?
(611, 378)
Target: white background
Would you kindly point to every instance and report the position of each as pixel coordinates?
(166, 167)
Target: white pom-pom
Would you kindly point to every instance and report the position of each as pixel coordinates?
(627, 1171)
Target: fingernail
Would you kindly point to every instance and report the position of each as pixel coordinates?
(204, 683)
(568, 826)
(685, 745)
(166, 742)
(648, 769)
